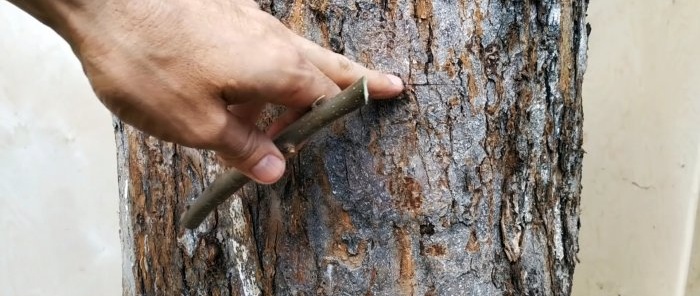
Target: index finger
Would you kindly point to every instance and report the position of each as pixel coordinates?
(344, 72)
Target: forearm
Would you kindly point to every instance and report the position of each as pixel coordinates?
(60, 15)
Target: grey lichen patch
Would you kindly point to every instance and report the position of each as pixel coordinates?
(188, 242)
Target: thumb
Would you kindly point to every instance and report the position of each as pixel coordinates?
(250, 151)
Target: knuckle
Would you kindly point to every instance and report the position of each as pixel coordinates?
(299, 76)
(242, 149)
(218, 135)
(297, 85)
(207, 135)
(284, 54)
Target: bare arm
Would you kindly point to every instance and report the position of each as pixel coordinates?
(199, 72)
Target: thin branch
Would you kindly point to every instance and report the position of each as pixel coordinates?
(323, 112)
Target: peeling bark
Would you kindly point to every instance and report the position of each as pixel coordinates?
(469, 185)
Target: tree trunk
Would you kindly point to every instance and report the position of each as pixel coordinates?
(469, 185)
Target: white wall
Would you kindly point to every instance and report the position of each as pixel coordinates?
(58, 183)
(58, 194)
(642, 139)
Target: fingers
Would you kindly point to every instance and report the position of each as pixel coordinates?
(344, 71)
(301, 84)
(243, 146)
(290, 80)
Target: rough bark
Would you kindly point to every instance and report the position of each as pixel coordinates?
(469, 185)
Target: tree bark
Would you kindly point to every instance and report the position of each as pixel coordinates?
(469, 185)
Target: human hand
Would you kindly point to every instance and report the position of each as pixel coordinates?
(199, 73)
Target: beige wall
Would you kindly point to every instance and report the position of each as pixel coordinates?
(58, 221)
(58, 183)
(642, 136)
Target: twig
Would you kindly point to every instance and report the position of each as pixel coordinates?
(324, 112)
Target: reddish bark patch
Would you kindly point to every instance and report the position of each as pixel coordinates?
(478, 18)
(424, 9)
(340, 249)
(407, 192)
(565, 52)
(372, 280)
(473, 244)
(435, 250)
(449, 66)
(407, 269)
(296, 18)
(392, 8)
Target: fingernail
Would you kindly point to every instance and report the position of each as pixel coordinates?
(395, 79)
(268, 169)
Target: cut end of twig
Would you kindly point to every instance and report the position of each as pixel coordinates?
(288, 149)
(365, 92)
(318, 102)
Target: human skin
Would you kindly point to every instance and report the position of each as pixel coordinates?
(199, 72)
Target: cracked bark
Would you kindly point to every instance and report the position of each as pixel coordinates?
(470, 185)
